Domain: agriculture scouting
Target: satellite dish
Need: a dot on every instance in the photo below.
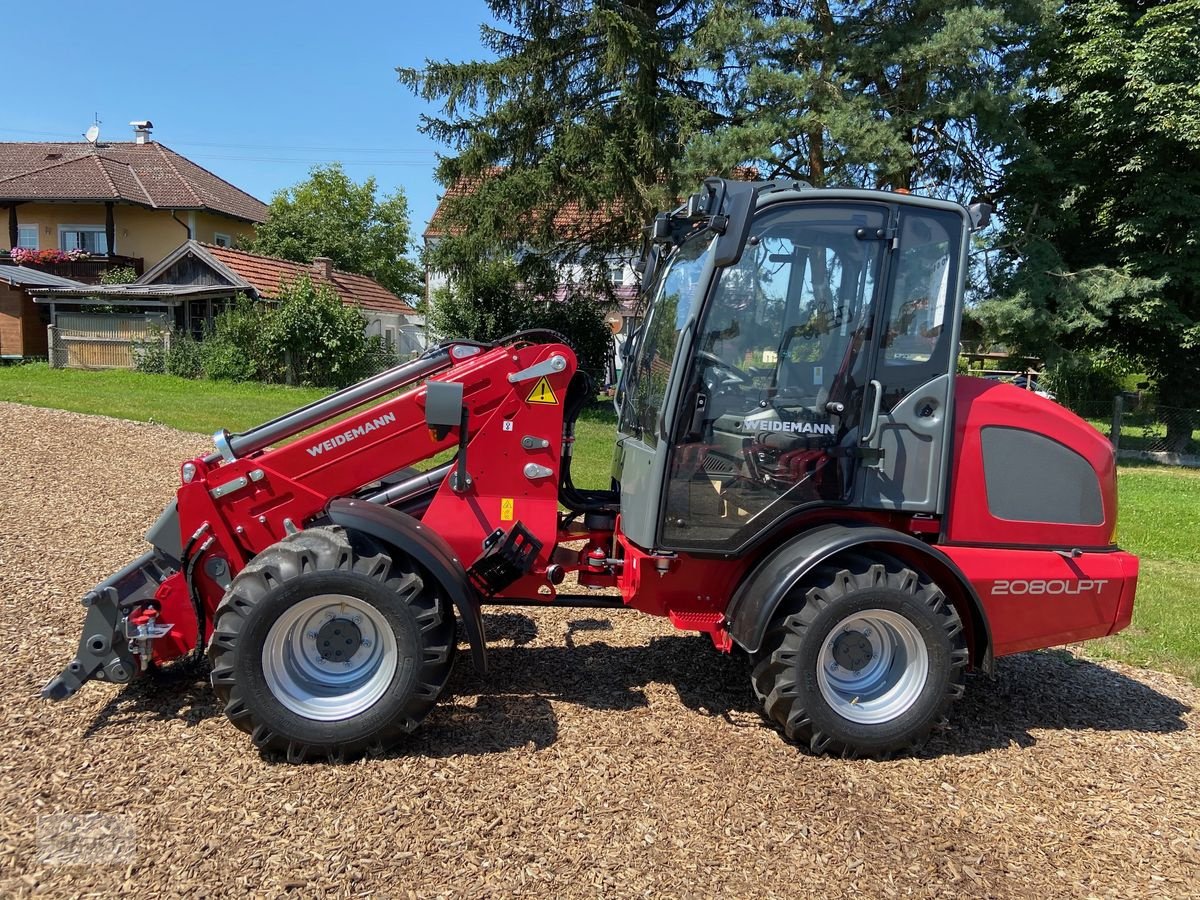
(93, 134)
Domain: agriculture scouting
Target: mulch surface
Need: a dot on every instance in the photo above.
(605, 754)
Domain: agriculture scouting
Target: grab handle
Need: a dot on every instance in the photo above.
(877, 389)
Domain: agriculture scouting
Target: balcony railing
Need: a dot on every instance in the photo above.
(87, 270)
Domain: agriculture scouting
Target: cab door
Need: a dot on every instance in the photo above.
(769, 413)
(907, 417)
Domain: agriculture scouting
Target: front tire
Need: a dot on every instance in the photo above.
(322, 648)
(866, 661)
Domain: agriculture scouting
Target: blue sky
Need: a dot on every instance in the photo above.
(258, 92)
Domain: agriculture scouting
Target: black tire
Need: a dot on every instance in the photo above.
(785, 673)
(317, 563)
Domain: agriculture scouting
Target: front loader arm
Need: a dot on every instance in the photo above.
(235, 503)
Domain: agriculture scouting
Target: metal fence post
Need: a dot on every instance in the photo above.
(1117, 416)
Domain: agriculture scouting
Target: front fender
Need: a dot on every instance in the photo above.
(753, 604)
(426, 547)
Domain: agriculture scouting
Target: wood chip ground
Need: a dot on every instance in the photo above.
(606, 754)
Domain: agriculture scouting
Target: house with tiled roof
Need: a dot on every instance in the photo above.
(127, 203)
(193, 284)
(570, 220)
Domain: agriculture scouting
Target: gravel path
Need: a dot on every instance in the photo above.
(606, 753)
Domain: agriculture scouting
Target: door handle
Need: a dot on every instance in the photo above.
(877, 390)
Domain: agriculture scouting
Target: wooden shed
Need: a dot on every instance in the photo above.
(23, 322)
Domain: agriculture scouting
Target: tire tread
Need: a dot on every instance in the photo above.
(774, 673)
(328, 549)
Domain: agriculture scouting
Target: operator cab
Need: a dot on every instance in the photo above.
(798, 353)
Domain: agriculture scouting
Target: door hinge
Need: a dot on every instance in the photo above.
(890, 233)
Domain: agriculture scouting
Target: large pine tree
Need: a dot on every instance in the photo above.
(581, 118)
(618, 108)
(883, 93)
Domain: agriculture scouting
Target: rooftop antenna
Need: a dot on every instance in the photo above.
(93, 133)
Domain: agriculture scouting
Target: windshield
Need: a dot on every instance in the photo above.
(672, 299)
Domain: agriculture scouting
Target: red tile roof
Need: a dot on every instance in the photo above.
(265, 273)
(147, 174)
(570, 219)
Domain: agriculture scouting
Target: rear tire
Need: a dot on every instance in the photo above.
(866, 661)
(321, 648)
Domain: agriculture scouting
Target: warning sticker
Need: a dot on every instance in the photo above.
(542, 393)
(506, 509)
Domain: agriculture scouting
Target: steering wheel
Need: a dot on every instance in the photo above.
(717, 363)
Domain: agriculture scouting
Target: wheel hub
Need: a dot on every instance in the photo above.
(338, 640)
(852, 650)
(872, 666)
(329, 657)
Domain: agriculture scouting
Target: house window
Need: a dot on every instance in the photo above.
(222, 240)
(89, 238)
(27, 237)
(616, 271)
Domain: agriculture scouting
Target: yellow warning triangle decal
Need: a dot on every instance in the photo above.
(542, 393)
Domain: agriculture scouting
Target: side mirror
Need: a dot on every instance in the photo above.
(647, 266)
(660, 229)
(981, 215)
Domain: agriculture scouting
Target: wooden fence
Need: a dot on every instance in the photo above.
(82, 341)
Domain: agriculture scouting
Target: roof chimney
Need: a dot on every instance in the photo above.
(141, 130)
(323, 266)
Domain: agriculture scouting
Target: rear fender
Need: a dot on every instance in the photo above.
(755, 601)
(427, 548)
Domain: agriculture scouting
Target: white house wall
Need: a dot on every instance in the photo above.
(407, 330)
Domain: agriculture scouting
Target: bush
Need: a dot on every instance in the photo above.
(150, 355)
(223, 360)
(1081, 380)
(182, 357)
(169, 353)
(236, 349)
(310, 338)
(119, 275)
(319, 340)
(493, 303)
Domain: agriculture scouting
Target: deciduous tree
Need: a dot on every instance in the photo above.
(329, 214)
(1102, 199)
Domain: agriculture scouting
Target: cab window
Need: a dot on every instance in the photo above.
(775, 385)
(670, 307)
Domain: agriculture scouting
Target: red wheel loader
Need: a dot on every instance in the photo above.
(798, 473)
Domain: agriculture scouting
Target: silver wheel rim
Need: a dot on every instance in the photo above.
(319, 685)
(872, 666)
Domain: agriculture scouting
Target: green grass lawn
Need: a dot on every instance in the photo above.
(1159, 520)
(202, 406)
